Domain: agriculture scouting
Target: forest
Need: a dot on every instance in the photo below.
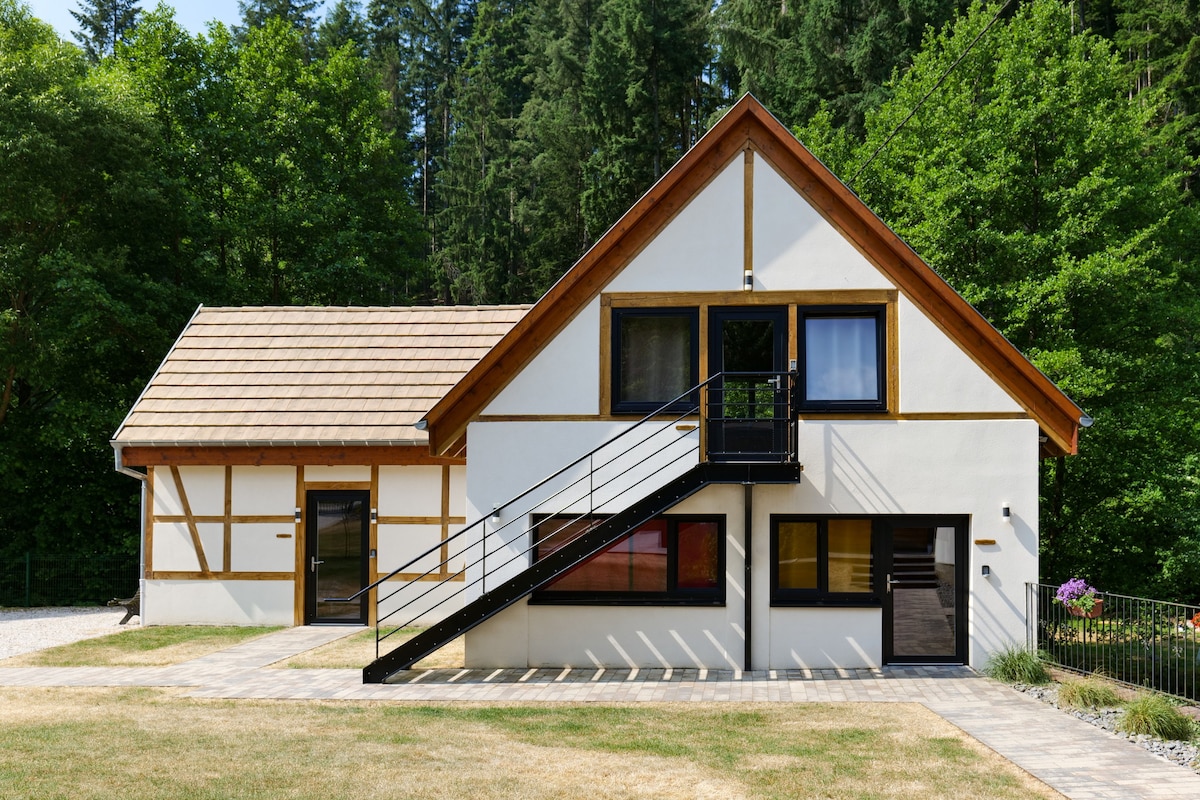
(1041, 155)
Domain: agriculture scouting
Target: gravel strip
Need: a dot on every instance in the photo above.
(23, 630)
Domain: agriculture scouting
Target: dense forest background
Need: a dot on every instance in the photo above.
(1041, 155)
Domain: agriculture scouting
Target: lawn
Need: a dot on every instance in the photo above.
(155, 743)
(154, 646)
(358, 650)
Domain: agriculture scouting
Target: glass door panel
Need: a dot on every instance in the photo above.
(747, 405)
(337, 542)
(923, 606)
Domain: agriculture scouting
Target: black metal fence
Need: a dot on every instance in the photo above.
(55, 580)
(1140, 642)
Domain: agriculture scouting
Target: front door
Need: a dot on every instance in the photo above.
(747, 403)
(337, 544)
(924, 611)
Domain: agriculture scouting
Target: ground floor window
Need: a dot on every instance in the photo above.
(670, 559)
(819, 561)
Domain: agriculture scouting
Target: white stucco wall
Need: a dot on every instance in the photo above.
(189, 602)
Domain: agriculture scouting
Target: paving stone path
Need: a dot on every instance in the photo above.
(1075, 758)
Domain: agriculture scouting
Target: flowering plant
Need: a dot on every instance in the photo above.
(1076, 593)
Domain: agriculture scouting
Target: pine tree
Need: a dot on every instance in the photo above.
(103, 23)
(344, 24)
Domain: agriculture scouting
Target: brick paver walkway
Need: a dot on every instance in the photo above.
(1075, 758)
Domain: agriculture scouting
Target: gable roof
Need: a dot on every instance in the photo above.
(310, 376)
(750, 126)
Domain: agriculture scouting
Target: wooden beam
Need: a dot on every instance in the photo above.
(311, 455)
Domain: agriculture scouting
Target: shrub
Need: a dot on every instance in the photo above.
(1016, 664)
(1154, 715)
(1087, 693)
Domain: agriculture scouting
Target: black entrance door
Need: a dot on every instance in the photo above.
(924, 606)
(747, 403)
(338, 524)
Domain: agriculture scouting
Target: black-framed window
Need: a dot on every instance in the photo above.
(843, 351)
(655, 358)
(671, 560)
(823, 561)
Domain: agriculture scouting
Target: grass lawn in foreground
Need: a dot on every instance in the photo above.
(358, 650)
(153, 646)
(152, 743)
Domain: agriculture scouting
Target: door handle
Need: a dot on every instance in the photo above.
(315, 562)
(890, 583)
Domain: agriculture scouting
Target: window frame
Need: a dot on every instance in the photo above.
(688, 403)
(878, 312)
(821, 596)
(672, 596)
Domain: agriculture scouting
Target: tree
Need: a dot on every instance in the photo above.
(83, 318)
(103, 23)
(1036, 188)
(343, 25)
(796, 56)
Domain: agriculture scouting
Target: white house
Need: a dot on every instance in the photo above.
(281, 466)
(839, 465)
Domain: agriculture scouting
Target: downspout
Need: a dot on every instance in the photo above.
(748, 506)
(142, 478)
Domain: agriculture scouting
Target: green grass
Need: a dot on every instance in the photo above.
(1087, 693)
(156, 645)
(1155, 715)
(1015, 664)
(151, 744)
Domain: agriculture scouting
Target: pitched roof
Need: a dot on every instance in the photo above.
(310, 376)
(749, 125)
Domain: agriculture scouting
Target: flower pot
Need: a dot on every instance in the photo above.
(1096, 611)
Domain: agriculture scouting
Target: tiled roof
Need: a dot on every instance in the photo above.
(310, 375)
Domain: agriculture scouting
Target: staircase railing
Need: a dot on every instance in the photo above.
(619, 471)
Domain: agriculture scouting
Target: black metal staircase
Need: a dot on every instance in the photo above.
(600, 494)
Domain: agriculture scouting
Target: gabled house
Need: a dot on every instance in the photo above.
(281, 466)
(749, 429)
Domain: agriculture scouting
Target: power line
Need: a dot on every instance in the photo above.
(929, 94)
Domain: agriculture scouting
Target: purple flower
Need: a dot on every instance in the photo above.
(1077, 593)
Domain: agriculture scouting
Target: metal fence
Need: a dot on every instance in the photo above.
(1133, 640)
(55, 580)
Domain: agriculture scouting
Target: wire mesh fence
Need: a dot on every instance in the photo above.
(1133, 640)
(55, 580)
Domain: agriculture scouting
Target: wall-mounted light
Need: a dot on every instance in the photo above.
(747, 280)
(374, 515)
(495, 515)
(986, 571)
(1005, 513)
(297, 515)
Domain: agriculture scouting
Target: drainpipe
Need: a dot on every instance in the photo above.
(142, 478)
(748, 507)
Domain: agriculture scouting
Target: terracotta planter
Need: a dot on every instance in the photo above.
(1096, 611)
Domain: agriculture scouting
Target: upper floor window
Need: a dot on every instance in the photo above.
(655, 357)
(843, 358)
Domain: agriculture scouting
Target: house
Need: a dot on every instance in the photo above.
(281, 467)
(749, 429)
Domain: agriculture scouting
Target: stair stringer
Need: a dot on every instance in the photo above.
(586, 545)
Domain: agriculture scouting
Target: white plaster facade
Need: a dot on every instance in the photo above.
(955, 443)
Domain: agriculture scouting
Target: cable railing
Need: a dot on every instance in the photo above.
(616, 473)
(1133, 640)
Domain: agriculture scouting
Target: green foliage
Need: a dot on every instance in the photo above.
(1087, 693)
(1031, 183)
(102, 24)
(1016, 664)
(1155, 715)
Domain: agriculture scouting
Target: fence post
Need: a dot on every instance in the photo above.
(28, 579)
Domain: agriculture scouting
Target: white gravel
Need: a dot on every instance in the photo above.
(23, 630)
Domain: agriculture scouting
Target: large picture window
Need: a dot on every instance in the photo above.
(655, 357)
(822, 561)
(843, 352)
(668, 560)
